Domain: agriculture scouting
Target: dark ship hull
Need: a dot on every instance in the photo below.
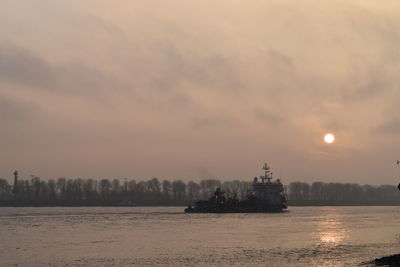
(243, 207)
(264, 196)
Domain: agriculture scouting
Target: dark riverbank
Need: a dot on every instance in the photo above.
(393, 260)
(60, 203)
(35, 192)
(85, 204)
(343, 203)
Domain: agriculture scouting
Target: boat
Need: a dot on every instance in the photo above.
(265, 195)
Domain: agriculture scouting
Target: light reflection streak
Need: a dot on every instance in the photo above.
(331, 229)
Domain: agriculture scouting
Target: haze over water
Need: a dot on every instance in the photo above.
(304, 236)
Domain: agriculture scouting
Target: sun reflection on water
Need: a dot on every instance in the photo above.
(331, 229)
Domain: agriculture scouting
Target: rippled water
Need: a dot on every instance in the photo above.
(304, 236)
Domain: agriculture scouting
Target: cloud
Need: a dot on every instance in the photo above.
(18, 65)
(270, 118)
(23, 67)
(12, 112)
(208, 85)
(391, 127)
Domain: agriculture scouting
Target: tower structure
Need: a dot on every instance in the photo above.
(398, 162)
(15, 188)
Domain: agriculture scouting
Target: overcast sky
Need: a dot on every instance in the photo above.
(193, 89)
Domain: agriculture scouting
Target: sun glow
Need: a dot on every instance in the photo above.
(329, 138)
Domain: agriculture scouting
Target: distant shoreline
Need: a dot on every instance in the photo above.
(349, 203)
(117, 204)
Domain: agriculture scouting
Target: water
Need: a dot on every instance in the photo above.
(304, 236)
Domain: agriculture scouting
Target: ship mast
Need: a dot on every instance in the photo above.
(266, 171)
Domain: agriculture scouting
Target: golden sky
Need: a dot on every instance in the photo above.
(183, 89)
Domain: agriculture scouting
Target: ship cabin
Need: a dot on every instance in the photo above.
(265, 188)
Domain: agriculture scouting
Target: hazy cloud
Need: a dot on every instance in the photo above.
(143, 90)
(18, 65)
(390, 127)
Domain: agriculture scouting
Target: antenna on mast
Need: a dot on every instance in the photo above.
(266, 171)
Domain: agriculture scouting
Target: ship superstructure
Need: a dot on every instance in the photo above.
(269, 194)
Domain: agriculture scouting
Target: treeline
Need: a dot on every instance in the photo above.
(81, 192)
(114, 192)
(342, 193)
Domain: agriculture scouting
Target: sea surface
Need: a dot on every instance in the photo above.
(149, 236)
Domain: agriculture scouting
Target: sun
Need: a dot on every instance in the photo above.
(329, 138)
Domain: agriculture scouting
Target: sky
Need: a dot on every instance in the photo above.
(205, 89)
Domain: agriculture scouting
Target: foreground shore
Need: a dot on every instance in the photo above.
(392, 260)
